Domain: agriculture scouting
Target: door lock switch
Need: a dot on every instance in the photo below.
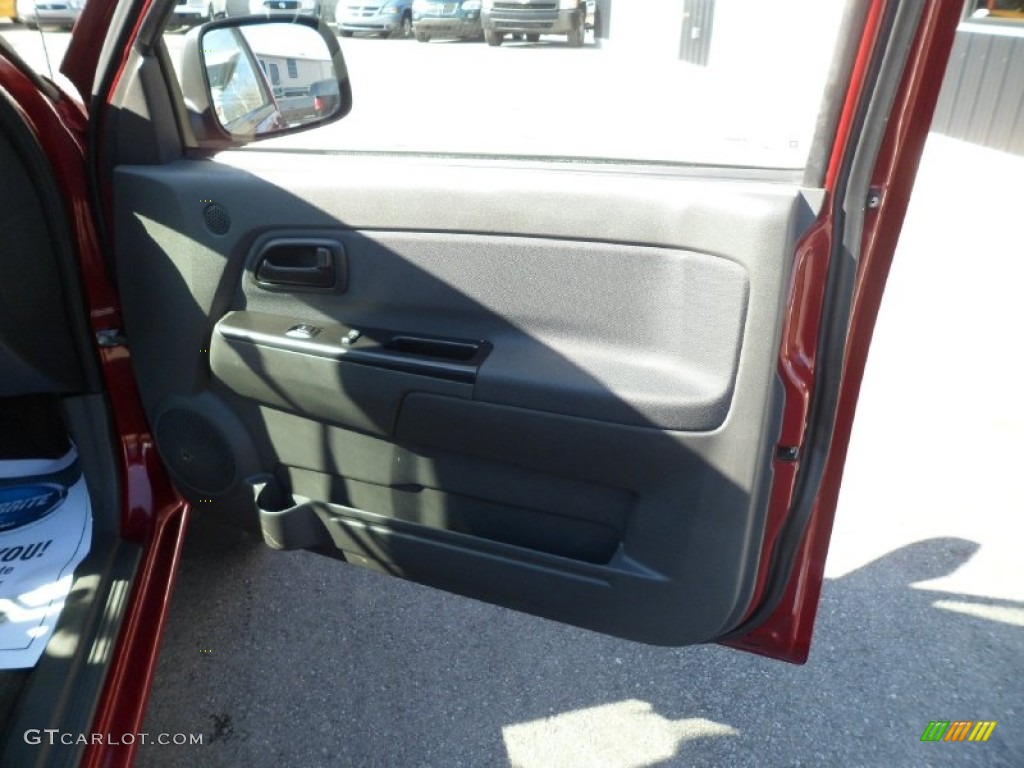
(351, 337)
(302, 331)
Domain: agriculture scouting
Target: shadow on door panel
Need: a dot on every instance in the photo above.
(568, 426)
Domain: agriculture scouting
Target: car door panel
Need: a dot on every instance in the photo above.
(604, 357)
(598, 452)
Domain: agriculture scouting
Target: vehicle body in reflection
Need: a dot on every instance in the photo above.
(326, 97)
(291, 79)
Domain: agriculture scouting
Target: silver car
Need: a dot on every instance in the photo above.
(285, 7)
(387, 18)
(59, 13)
(198, 11)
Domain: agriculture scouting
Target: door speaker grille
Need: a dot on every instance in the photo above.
(195, 451)
(217, 219)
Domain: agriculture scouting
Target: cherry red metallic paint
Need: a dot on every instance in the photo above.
(799, 347)
(786, 634)
(796, 369)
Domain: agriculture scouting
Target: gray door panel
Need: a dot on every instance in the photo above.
(542, 387)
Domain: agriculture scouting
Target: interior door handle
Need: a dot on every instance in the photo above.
(288, 264)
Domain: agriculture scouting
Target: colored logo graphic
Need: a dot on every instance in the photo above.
(958, 730)
(24, 504)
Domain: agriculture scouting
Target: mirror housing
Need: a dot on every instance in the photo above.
(228, 73)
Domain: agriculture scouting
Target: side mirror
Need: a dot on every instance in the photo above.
(250, 78)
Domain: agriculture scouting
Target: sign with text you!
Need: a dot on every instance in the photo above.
(958, 730)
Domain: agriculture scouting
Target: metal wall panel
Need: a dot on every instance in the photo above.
(982, 98)
(695, 39)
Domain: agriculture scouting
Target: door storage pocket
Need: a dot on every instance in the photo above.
(301, 508)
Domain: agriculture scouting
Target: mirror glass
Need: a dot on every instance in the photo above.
(265, 78)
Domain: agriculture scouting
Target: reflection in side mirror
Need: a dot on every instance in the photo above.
(256, 77)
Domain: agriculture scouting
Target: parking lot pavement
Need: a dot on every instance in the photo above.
(312, 662)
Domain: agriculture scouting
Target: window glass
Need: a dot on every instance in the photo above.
(733, 82)
(730, 82)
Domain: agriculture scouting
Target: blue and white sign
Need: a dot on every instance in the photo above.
(45, 532)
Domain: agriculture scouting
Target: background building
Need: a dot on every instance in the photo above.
(982, 100)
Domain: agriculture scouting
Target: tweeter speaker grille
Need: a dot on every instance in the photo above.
(195, 451)
(217, 219)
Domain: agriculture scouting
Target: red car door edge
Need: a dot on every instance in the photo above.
(784, 632)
